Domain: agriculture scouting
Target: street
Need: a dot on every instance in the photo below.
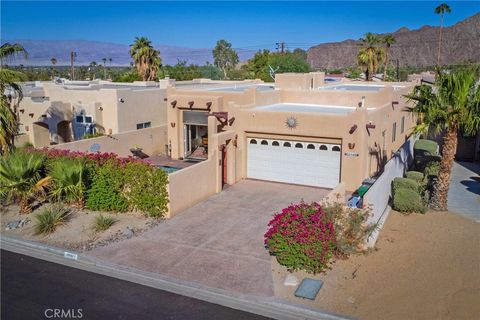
(37, 289)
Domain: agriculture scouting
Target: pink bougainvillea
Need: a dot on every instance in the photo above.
(302, 236)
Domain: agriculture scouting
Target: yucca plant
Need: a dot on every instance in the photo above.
(51, 217)
(20, 178)
(102, 222)
(67, 177)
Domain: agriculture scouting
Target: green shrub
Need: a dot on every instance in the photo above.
(432, 169)
(68, 180)
(405, 183)
(51, 217)
(408, 200)
(105, 188)
(414, 175)
(423, 147)
(102, 223)
(93, 135)
(421, 162)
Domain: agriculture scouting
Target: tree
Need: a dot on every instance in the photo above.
(441, 10)
(370, 55)
(224, 56)
(387, 40)
(453, 105)
(9, 90)
(54, 62)
(104, 68)
(145, 58)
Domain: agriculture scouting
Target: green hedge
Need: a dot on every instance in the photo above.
(423, 147)
(405, 183)
(415, 175)
(408, 200)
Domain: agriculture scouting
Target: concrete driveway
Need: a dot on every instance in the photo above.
(218, 242)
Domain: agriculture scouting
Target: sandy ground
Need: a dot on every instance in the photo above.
(424, 267)
(77, 232)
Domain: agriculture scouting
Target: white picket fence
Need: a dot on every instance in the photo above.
(378, 196)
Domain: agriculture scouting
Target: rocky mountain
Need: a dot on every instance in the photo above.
(460, 43)
(41, 51)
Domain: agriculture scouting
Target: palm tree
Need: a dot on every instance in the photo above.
(370, 55)
(453, 105)
(9, 90)
(441, 10)
(54, 62)
(92, 67)
(145, 58)
(388, 40)
(104, 68)
(20, 178)
(67, 175)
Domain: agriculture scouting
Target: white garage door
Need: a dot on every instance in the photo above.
(306, 163)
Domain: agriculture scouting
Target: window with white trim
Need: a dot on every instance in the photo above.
(144, 125)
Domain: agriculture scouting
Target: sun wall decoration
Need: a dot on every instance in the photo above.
(291, 123)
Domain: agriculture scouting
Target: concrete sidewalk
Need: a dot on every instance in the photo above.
(217, 243)
(464, 193)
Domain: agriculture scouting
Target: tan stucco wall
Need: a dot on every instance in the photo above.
(151, 140)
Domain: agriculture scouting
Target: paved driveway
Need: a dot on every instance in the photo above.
(218, 242)
(464, 193)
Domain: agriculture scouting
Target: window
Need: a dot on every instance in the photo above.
(253, 141)
(287, 144)
(298, 145)
(323, 147)
(394, 131)
(310, 146)
(402, 125)
(83, 119)
(275, 143)
(336, 149)
(264, 142)
(88, 119)
(79, 119)
(144, 125)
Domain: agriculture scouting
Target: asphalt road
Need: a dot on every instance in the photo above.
(37, 289)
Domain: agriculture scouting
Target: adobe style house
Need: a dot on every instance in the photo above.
(299, 131)
(52, 113)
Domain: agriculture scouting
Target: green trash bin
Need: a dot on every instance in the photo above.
(362, 190)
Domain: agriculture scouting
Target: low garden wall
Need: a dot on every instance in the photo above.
(151, 140)
(378, 196)
(191, 185)
(336, 195)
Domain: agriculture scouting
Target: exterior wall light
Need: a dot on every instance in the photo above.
(174, 103)
(172, 124)
(121, 100)
(351, 145)
(31, 115)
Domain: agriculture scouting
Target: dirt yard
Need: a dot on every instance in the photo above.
(424, 267)
(77, 232)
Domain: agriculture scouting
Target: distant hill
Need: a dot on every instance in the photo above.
(461, 43)
(41, 51)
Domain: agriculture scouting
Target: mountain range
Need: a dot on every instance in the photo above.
(460, 44)
(40, 52)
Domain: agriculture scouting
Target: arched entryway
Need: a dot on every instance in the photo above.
(64, 131)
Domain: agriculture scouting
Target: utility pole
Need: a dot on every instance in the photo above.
(280, 47)
(73, 54)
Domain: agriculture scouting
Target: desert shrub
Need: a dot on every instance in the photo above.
(20, 178)
(105, 188)
(146, 188)
(432, 169)
(68, 180)
(102, 223)
(407, 200)
(414, 175)
(50, 218)
(350, 225)
(421, 162)
(423, 147)
(93, 135)
(405, 183)
(302, 236)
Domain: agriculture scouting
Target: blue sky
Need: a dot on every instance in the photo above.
(199, 24)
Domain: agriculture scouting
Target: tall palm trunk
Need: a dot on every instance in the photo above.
(385, 66)
(440, 194)
(440, 41)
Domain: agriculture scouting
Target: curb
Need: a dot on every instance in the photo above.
(265, 306)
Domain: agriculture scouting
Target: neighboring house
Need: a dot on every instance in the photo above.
(51, 113)
(298, 131)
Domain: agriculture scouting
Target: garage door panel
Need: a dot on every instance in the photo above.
(314, 166)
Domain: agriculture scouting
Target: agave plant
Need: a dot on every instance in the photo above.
(20, 178)
(67, 175)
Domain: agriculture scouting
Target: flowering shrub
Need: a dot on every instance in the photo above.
(307, 236)
(302, 236)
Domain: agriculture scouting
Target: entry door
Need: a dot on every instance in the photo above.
(296, 162)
